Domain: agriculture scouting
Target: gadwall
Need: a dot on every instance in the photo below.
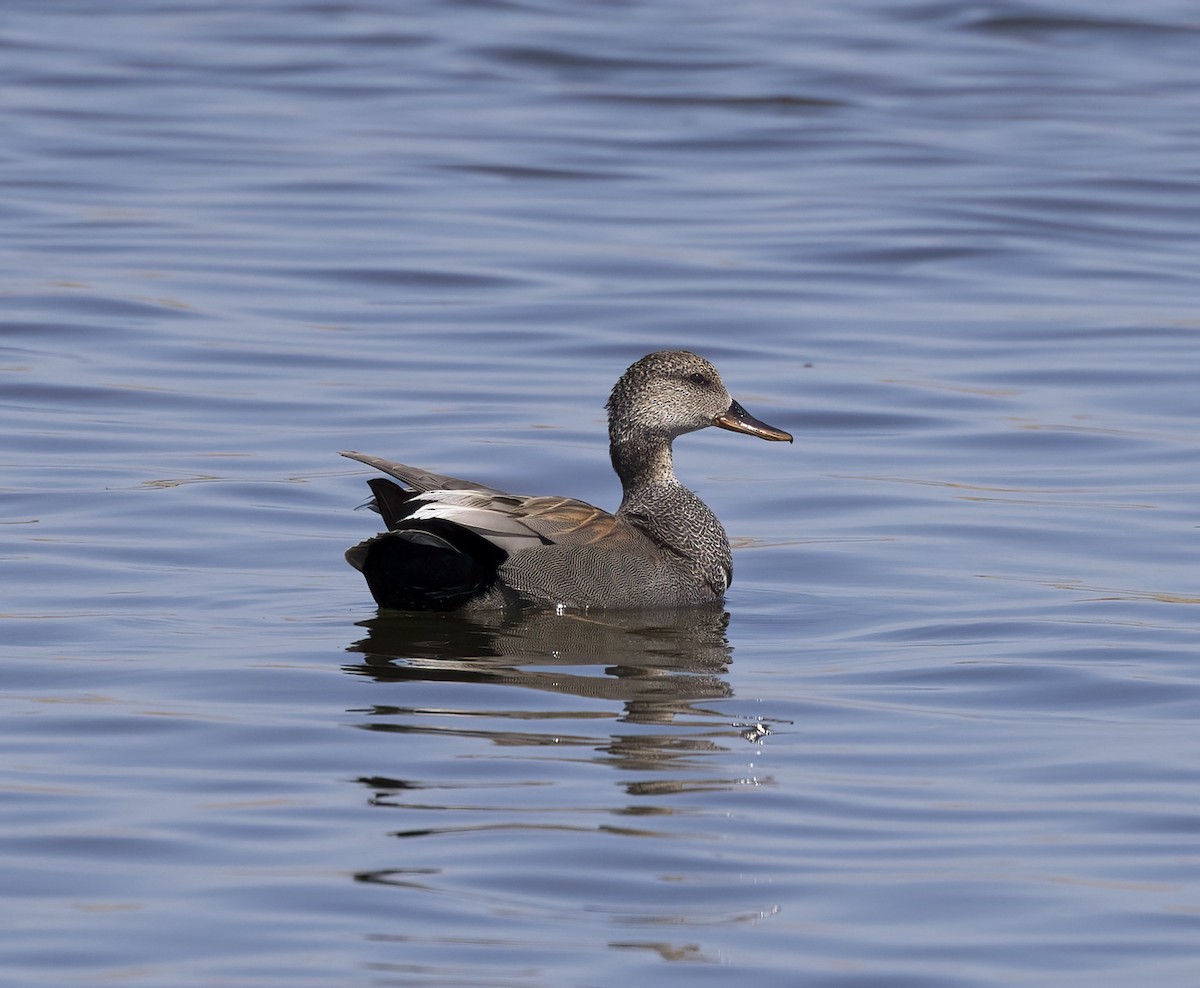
(454, 544)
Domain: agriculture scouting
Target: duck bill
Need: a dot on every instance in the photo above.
(737, 419)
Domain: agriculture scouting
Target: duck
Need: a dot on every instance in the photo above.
(457, 545)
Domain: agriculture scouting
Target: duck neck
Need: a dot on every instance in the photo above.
(642, 461)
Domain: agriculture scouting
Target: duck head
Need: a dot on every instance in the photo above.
(673, 392)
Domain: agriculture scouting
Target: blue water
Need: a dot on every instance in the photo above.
(944, 731)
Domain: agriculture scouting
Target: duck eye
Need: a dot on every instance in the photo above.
(698, 378)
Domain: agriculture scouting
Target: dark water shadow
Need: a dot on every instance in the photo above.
(656, 663)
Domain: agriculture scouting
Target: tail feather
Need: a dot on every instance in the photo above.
(428, 568)
(415, 477)
(391, 501)
(424, 561)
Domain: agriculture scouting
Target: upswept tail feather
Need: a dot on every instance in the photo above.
(415, 477)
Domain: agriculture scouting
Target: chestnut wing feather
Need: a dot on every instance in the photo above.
(564, 520)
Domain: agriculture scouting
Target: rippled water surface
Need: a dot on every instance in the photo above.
(944, 731)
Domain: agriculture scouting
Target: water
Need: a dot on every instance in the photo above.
(944, 730)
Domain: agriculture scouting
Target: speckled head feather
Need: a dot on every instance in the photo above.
(666, 394)
(454, 544)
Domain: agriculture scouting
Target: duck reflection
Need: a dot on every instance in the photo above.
(499, 779)
(656, 663)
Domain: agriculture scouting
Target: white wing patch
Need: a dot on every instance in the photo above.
(484, 514)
